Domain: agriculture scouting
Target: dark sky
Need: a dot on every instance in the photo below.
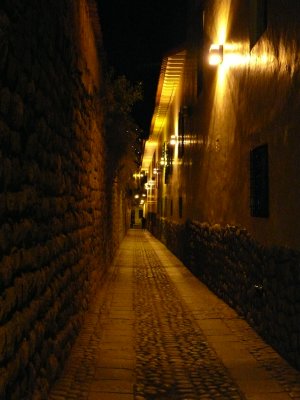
(136, 34)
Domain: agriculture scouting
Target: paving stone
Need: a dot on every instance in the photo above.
(108, 362)
(114, 373)
(111, 386)
(266, 396)
(154, 332)
(110, 396)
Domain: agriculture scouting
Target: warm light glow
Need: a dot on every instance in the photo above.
(170, 76)
(138, 175)
(173, 140)
(222, 22)
(237, 55)
(136, 196)
(150, 147)
(215, 59)
(215, 56)
(222, 34)
(149, 184)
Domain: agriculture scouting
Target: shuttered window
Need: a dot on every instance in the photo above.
(259, 182)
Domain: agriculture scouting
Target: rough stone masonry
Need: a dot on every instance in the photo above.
(261, 283)
(57, 225)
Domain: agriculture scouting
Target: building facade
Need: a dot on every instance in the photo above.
(222, 159)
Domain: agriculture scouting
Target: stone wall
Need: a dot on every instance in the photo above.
(57, 210)
(262, 284)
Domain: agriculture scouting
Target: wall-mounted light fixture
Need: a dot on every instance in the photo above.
(173, 140)
(163, 158)
(163, 161)
(215, 55)
(149, 184)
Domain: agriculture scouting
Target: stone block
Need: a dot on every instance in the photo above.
(16, 112)
(12, 70)
(5, 100)
(47, 192)
(3, 381)
(5, 236)
(15, 143)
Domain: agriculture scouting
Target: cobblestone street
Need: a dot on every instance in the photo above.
(155, 332)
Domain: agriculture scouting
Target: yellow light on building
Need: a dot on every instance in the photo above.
(215, 56)
(173, 140)
(170, 76)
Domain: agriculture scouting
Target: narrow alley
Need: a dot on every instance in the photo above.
(154, 331)
(180, 117)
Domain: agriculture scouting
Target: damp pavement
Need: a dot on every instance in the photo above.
(154, 331)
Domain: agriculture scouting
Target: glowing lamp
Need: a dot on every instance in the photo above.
(173, 140)
(215, 55)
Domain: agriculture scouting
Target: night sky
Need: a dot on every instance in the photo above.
(136, 35)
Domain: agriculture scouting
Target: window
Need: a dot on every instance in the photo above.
(258, 20)
(259, 182)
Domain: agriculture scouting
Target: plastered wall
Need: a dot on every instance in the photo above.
(249, 100)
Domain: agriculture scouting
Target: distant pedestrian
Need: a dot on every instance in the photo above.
(143, 223)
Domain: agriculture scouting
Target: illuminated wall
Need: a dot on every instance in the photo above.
(230, 207)
(157, 160)
(249, 100)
